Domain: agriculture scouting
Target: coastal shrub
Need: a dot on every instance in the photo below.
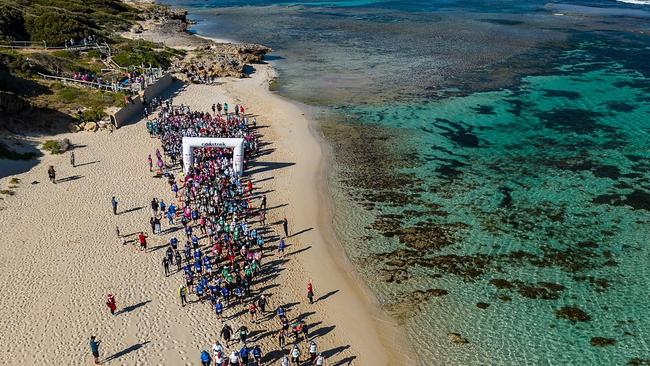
(93, 114)
(7, 192)
(56, 146)
(12, 24)
(142, 53)
(56, 27)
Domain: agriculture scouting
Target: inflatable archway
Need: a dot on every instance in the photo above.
(237, 144)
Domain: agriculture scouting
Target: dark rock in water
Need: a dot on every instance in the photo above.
(620, 107)
(484, 109)
(587, 244)
(482, 305)
(580, 121)
(600, 284)
(573, 314)
(457, 133)
(639, 200)
(501, 283)
(561, 94)
(504, 298)
(607, 171)
(457, 338)
(638, 362)
(425, 236)
(602, 342)
(438, 292)
(502, 21)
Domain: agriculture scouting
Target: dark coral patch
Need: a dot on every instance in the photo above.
(561, 94)
(484, 109)
(482, 305)
(456, 133)
(620, 107)
(602, 341)
(575, 120)
(573, 314)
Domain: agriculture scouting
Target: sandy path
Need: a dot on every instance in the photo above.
(60, 256)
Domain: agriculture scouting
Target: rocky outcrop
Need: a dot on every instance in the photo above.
(457, 338)
(219, 60)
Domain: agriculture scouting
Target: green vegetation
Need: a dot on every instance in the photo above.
(14, 180)
(56, 146)
(93, 115)
(7, 192)
(143, 53)
(56, 21)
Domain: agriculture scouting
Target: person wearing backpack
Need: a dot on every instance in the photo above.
(206, 360)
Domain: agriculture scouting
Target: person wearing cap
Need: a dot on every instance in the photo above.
(94, 349)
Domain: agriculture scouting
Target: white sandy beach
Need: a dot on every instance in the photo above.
(60, 255)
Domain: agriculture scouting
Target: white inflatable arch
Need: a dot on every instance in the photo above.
(237, 144)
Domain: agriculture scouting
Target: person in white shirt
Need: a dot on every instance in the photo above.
(285, 360)
(295, 355)
(312, 351)
(234, 359)
(320, 360)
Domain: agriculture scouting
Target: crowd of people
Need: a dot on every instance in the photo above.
(223, 239)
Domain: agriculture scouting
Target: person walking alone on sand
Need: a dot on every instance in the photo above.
(143, 241)
(285, 226)
(94, 349)
(110, 302)
(72, 159)
(310, 292)
(51, 173)
(114, 204)
(182, 293)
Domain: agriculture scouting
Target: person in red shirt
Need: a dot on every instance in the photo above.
(110, 302)
(143, 241)
(310, 292)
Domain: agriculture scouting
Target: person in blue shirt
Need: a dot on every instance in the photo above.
(199, 291)
(218, 308)
(243, 355)
(173, 242)
(170, 217)
(226, 295)
(162, 206)
(94, 349)
(280, 311)
(257, 355)
(206, 360)
(281, 246)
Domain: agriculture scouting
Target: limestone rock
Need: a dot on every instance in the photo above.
(457, 338)
(90, 126)
(73, 128)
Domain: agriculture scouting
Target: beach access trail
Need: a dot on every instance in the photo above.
(60, 256)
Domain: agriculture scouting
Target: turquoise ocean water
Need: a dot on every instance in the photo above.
(492, 164)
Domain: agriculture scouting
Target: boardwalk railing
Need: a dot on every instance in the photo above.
(43, 45)
(150, 79)
(114, 87)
